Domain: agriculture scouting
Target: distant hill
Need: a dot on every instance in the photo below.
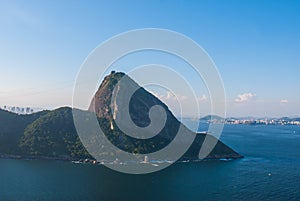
(211, 117)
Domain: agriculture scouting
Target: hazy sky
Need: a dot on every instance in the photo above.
(254, 44)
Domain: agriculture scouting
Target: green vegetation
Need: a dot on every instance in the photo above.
(44, 134)
(12, 127)
(53, 135)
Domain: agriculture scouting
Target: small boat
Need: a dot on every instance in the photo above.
(202, 132)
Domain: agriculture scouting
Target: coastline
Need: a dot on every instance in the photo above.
(20, 157)
(95, 162)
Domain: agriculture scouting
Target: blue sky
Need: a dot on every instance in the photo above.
(254, 44)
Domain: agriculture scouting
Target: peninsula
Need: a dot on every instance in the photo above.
(52, 134)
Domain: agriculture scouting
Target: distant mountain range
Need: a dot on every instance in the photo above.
(52, 134)
(211, 117)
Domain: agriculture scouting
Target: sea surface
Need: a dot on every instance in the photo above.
(269, 171)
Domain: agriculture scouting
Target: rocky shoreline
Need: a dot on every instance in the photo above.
(95, 162)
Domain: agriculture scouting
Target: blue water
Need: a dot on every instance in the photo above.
(269, 171)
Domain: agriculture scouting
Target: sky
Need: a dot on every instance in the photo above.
(254, 44)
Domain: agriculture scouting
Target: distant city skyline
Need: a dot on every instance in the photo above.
(254, 44)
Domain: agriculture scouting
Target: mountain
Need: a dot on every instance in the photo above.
(140, 104)
(52, 134)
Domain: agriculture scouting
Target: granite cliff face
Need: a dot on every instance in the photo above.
(139, 107)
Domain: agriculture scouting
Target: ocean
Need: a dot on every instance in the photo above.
(270, 170)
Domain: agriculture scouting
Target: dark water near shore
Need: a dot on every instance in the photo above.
(269, 171)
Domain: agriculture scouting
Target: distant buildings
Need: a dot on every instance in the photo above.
(253, 121)
(271, 121)
(20, 110)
